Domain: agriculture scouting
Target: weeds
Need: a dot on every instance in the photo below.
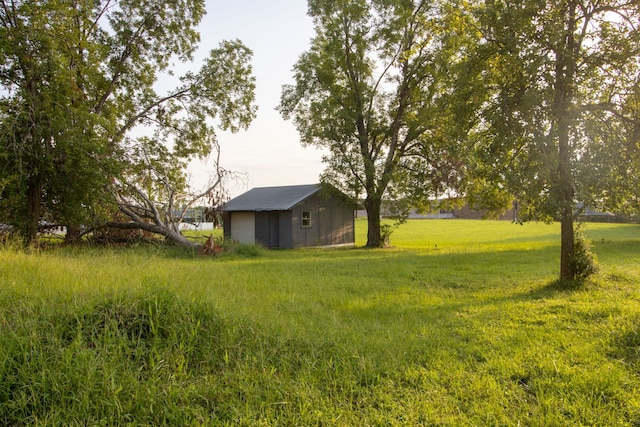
(115, 359)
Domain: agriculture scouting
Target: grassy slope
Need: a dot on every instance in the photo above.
(457, 325)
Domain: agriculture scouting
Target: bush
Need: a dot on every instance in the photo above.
(583, 261)
(385, 233)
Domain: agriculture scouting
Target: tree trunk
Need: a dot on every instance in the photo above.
(170, 234)
(74, 232)
(565, 195)
(565, 198)
(565, 80)
(567, 245)
(373, 207)
(34, 209)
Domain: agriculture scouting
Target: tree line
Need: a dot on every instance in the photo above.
(482, 100)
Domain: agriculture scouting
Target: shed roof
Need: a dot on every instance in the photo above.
(271, 198)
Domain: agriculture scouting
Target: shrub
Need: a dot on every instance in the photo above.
(583, 261)
(385, 232)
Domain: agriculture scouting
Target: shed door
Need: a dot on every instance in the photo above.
(243, 227)
(274, 230)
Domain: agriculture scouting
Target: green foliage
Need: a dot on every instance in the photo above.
(385, 231)
(481, 194)
(456, 325)
(55, 155)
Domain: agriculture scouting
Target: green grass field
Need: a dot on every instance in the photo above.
(460, 323)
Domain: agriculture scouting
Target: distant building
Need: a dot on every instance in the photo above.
(588, 214)
(291, 217)
(463, 212)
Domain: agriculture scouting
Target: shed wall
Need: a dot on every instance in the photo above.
(332, 223)
(242, 227)
(269, 229)
(262, 228)
(286, 230)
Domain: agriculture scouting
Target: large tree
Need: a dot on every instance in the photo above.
(78, 104)
(43, 128)
(558, 116)
(371, 91)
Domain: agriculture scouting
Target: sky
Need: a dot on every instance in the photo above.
(269, 152)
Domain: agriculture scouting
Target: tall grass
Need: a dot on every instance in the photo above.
(457, 324)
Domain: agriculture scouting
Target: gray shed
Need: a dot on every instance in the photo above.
(291, 217)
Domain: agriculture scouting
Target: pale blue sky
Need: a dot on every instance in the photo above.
(277, 31)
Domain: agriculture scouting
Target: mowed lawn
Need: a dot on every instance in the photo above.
(460, 323)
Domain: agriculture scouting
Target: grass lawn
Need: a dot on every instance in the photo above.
(460, 323)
